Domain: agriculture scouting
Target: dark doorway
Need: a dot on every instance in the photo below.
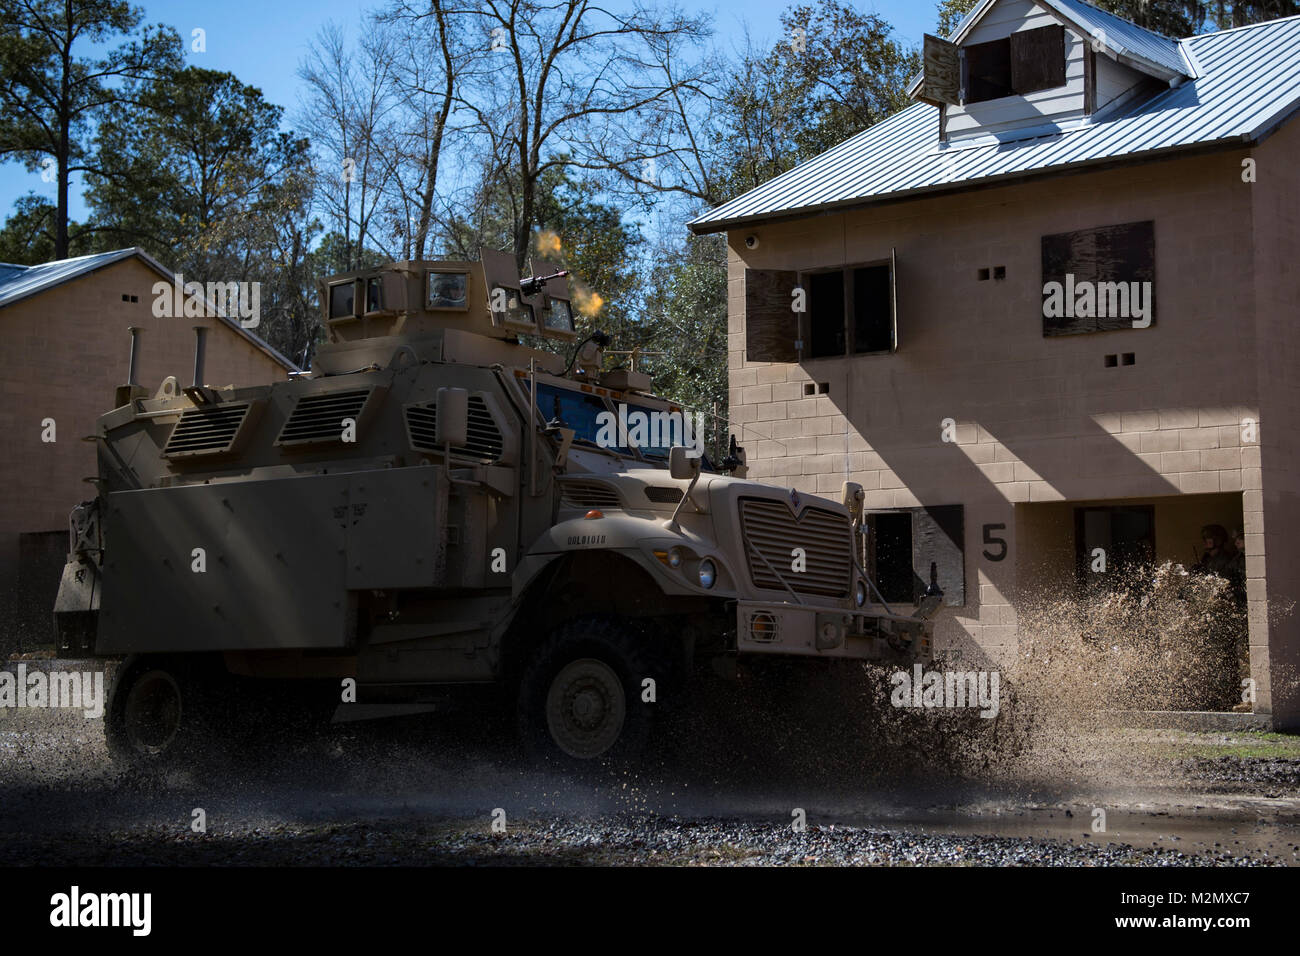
(892, 555)
(1125, 535)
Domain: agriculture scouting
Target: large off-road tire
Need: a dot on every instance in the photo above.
(580, 697)
(163, 713)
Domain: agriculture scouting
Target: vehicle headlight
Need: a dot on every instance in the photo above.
(675, 558)
(860, 594)
(708, 573)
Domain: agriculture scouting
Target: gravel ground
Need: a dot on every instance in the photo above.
(602, 841)
(423, 791)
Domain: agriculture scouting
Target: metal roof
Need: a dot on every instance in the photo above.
(1247, 83)
(1123, 38)
(18, 282)
(1150, 52)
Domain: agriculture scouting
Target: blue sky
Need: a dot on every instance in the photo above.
(262, 42)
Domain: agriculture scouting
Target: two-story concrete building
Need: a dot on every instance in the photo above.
(1051, 308)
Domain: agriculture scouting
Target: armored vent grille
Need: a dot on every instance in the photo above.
(485, 439)
(589, 494)
(319, 418)
(206, 430)
(668, 496)
(772, 533)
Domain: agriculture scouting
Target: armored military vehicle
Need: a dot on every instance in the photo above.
(437, 506)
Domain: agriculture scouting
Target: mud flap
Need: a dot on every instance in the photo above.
(76, 609)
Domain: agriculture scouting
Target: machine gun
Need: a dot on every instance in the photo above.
(534, 284)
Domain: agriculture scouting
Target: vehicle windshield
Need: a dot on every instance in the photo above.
(581, 412)
(660, 429)
(594, 421)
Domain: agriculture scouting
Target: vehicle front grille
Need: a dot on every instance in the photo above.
(773, 532)
(663, 496)
(589, 494)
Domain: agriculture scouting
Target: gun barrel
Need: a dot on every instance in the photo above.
(534, 284)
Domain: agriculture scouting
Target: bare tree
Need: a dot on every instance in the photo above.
(427, 78)
(348, 112)
(674, 144)
(563, 71)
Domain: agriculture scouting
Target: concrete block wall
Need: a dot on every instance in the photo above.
(1035, 418)
(1272, 476)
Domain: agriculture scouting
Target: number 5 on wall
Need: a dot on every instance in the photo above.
(989, 539)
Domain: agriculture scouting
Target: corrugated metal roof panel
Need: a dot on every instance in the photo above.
(1249, 82)
(18, 282)
(1122, 36)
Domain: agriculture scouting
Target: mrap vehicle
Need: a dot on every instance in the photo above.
(438, 506)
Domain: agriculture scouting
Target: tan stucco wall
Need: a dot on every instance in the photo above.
(65, 351)
(1273, 496)
(1040, 419)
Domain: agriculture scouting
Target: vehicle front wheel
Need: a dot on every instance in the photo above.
(160, 713)
(582, 696)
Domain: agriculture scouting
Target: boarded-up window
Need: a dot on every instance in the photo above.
(901, 546)
(1023, 63)
(939, 538)
(771, 324)
(1096, 280)
(1038, 59)
(941, 79)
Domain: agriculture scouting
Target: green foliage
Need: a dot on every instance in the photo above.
(834, 73)
(27, 237)
(196, 171)
(56, 78)
(207, 151)
(686, 317)
(1227, 13)
(951, 13)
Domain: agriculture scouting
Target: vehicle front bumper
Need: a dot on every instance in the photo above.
(811, 631)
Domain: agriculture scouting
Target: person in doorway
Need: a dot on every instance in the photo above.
(1216, 559)
(1221, 661)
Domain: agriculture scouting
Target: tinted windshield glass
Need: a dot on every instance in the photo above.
(657, 430)
(581, 412)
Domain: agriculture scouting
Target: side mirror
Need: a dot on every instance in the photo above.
(854, 499)
(452, 427)
(681, 464)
